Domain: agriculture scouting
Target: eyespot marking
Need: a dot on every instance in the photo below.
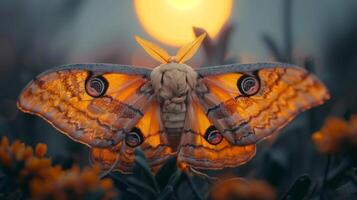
(96, 86)
(248, 85)
(134, 138)
(213, 136)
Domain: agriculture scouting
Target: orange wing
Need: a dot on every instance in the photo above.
(87, 103)
(148, 135)
(248, 105)
(203, 146)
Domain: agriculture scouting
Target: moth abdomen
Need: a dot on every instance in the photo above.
(173, 121)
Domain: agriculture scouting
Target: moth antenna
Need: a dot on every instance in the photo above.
(154, 50)
(187, 51)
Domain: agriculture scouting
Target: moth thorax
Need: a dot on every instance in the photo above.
(172, 82)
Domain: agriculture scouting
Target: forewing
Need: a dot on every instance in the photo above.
(284, 91)
(61, 98)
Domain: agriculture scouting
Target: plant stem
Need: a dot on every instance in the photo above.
(325, 177)
(193, 187)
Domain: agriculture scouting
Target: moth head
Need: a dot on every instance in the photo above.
(185, 53)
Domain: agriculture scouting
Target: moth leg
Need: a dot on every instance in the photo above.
(205, 176)
(112, 167)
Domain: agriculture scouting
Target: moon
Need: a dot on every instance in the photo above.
(171, 21)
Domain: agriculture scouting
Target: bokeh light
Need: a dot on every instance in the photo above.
(171, 21)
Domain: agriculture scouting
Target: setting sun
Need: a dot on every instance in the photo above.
(171, 21)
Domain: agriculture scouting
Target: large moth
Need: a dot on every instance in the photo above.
(210, 117)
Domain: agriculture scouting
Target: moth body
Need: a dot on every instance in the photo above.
(173, 83)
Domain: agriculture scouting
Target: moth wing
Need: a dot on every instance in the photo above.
(196, 150)
(284, 91)
(154, 145)
(60, 97)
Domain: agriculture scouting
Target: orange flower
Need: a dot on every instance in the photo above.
(353, 127)
(182, 166)
(17, 146)
(28, 153)
(20, 152)
(71, 184)
(107, 184)
(40, 189)
(89, 176)
(4, 142)
(5, 158)
(41, 150)
(5, 155)
(37, 175)
(34, 164)
(336, 134)
(237, 188)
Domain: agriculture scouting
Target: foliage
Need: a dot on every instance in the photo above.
(142, 184)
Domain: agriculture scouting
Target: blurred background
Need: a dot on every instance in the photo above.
(319, 35)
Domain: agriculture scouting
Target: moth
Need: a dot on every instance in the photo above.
(210, 117)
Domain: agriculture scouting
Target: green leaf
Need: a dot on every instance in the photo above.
(193, 187)
(175, 178)
(119, 180)
(299, 189)
(141, 186)
(166, 171)
(167, 193)
(142, 171)
(136, 193)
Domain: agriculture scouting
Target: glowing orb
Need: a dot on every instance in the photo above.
(171, 21)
